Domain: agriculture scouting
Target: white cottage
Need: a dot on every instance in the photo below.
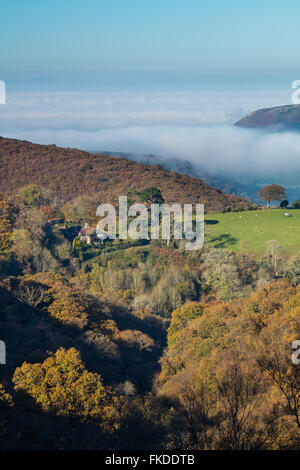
(87, 234)
(91, 235)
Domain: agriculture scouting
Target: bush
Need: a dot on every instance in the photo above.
(296, 204)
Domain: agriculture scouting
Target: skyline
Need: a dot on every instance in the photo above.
(133, 45)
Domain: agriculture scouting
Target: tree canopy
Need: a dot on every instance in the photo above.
(272, 192)
(151, 195)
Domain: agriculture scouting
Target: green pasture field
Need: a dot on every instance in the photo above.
(253, 229)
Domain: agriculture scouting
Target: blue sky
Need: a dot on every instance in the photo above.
(168, 77)
(158, 44)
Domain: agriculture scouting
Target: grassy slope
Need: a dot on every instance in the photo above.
(255, 228)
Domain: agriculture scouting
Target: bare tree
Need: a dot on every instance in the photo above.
(277, 363)
(240, 393)
(32, 293)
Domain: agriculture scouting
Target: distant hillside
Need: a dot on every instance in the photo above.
(71, 172)
(228, 185)
(280, 118)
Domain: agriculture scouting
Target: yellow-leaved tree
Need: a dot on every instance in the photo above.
(62, 384)
(5, 224)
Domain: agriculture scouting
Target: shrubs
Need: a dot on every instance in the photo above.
(5, 398)
(296, 204)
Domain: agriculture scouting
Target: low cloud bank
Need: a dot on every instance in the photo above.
(192, 126)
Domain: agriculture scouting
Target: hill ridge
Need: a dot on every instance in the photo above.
(72, 172)
(276, 118)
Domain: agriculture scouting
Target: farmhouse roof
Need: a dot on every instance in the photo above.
(87, 231)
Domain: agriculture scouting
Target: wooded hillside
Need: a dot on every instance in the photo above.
(71, 172)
